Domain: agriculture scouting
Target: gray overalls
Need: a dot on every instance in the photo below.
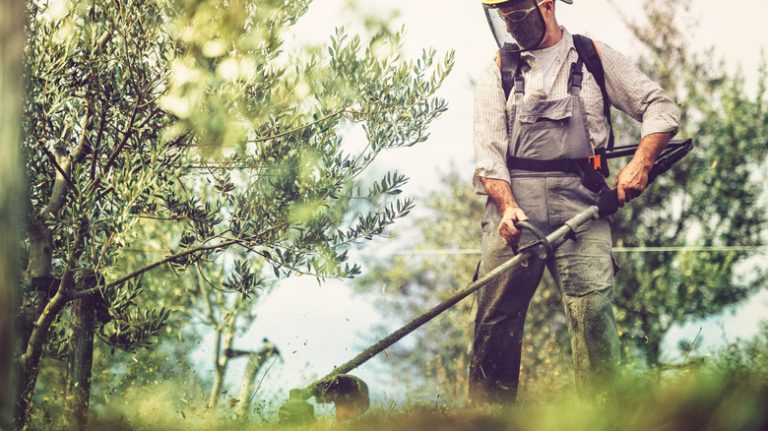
(545, 130)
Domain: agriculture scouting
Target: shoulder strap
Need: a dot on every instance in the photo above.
(508, 61)
(588, 52)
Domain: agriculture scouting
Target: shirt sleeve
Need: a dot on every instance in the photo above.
(636, 94)
(490, 128)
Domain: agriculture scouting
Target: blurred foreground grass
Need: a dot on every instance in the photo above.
(726, 393)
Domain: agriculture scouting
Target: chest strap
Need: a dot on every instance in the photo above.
(575, 79)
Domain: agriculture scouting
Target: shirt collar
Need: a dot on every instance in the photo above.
(568, 38)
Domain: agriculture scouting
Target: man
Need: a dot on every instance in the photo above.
(551, 114)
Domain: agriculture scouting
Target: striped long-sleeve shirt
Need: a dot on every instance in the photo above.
(628, 89)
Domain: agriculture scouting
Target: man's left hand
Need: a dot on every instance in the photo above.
(632, 180)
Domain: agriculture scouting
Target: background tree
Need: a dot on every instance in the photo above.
(256, 361)
(229, 315)
(712, 198)
(131, 101)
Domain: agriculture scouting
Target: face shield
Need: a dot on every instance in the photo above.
(516, 22)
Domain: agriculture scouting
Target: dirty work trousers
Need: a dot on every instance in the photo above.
(586, 270)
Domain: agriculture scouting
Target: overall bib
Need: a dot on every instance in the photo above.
(545, 130)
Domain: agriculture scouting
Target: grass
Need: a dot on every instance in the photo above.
(727, 391)
(709, 397)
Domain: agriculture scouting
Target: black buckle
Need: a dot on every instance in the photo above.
(519, 85)
(577, 76)
(602, 161)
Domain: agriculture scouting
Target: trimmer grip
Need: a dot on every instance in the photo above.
(608, 201)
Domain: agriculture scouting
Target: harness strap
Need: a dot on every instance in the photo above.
(519, 83)
(587, 50)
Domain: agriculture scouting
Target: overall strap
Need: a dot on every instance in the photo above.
(519, 84)
(588, 52)
(508, 59)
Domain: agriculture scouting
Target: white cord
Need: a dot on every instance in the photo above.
(759, 249)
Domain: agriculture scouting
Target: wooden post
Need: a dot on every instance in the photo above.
(12, 19)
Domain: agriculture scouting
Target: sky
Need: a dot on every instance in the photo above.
(319, 327)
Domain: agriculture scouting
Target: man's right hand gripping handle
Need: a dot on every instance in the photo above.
(500, 193)
(507, 229)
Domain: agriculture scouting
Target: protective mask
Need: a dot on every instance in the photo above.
(518, 21)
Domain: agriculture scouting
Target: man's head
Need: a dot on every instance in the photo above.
(524, 22)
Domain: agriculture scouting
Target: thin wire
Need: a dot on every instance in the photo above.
(681, 249)
(759, 249)
(685, 249)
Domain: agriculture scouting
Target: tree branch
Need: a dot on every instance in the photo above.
(168, 259)
(127, 131)
(30, 359)
(58, 167)
(97, 144)
(207, 300)
(63, 180)
(101, 42)
(302, 127)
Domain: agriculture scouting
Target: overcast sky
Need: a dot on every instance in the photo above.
(319, 327)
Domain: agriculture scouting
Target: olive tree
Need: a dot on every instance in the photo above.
(137, 107)
(712, 198)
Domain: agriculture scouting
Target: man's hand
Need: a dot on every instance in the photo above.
(507, 229)
(632, 180)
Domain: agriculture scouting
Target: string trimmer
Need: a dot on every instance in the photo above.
(350, 394)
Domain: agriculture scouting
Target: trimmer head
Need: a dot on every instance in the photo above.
(348, 393)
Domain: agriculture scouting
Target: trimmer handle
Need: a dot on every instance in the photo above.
(541, 239)
(608, 202)
(520, 225)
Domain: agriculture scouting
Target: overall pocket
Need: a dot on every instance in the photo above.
(544, 130)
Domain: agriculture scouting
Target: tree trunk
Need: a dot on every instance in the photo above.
(218, 379)
(220, 363)
(652, 346)
(79, 363)
(255, 363)
(12, 19)
(30, 359)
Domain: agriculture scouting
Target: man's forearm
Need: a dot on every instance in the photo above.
(500, 193)
(650, 147)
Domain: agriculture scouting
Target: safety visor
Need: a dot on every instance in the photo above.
(516, 22)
